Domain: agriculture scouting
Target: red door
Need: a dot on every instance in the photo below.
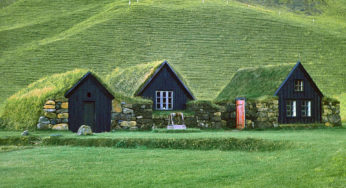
(240, 103)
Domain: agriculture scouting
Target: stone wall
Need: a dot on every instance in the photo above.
(258, 114)
(207, 115)
(55, 115)
(262, 114)
(131, 116)
(331, 112)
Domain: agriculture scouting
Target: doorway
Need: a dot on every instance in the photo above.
(89, 114)
(240, 119)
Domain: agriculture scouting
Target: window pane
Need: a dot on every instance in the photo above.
(309, 108)
(294, 109)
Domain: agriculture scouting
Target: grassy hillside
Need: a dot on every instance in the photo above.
(206, 42)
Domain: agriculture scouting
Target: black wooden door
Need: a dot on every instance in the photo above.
(89, 114)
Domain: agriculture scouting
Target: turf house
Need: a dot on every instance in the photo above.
(90, 103)
(165, 89)
(299, 99)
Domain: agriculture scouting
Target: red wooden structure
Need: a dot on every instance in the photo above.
(240, 121)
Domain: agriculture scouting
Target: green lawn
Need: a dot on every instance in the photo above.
(318, 160)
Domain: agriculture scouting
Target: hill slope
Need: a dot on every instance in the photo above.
(206, 42)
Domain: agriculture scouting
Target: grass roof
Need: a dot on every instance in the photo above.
(255, 83)
(130, 80)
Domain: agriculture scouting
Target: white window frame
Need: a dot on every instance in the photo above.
(160, 97)
(291, 108)
(306, 108)
(298, 85)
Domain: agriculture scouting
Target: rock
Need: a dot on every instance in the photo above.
(334, 119)
(143, 106)
(50, 115)
(62, 111)
(216, 118)
(324, 118)
(116, 106)
(124, 124)
(132, 123)
(49, 106)
(64, 105)
(127, 105)
(43, 120)
(49, 110)
(328, 124)
(25, 133)
(60, 127)
(84, 130)
(217, 114)
(43, 126)
(64, 120)
(127, 111)
(53, 121)
(50, 102)
(327, 111)
(63, 115)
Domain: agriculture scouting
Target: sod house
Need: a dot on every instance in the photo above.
(166, 89)
(299, 99)
(90, 103)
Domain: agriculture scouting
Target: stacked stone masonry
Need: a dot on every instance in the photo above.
(258, 114)
(132, 116)
(55, 115)
(331, 113)
(207, 115)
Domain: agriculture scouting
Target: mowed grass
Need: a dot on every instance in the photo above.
(206, 42)
(317, 161)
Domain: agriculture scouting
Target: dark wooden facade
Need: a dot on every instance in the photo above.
(166, 79)
(90, 103)
(287, 92)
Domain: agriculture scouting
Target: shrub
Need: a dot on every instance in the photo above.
(19, 141)
(248, 144)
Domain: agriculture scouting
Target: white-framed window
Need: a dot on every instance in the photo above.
(164, 100)
(291, 110)
(298, 85)
(306, 108)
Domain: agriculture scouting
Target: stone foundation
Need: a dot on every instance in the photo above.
(55, 115)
